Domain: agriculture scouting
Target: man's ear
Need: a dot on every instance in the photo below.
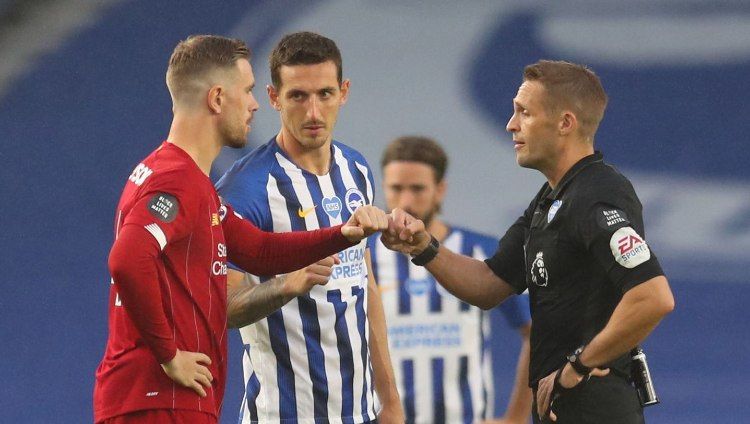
(215, 99)
(345, 91)
(568, 123)
(273, 97)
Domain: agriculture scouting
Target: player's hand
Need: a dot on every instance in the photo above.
(569, 379)
(405, 233)
(365, 220)
(302, 281)
(189, 370)
(391, 413)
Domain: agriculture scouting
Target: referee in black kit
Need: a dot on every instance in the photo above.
(596, 288)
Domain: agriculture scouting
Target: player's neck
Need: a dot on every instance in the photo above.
(314, 160)
(438, 228)
(572, 154)
(197, 138)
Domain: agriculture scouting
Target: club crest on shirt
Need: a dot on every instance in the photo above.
(332, 206)
(553, 210)
(539, 273)
(629, 248)
(354, 199)
(222, 209)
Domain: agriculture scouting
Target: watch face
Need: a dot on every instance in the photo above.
(573, 357)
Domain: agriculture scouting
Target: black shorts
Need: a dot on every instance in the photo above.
(609, 399)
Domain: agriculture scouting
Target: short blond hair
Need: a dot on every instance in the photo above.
(197, 56)
(573, 86)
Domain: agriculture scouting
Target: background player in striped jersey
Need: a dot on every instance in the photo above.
(165, 360)
(439, 344)
(324, 354)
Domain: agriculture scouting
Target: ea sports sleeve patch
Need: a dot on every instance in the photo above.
(628, 248)
(164, 207)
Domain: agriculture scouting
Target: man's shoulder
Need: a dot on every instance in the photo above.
(253, 167)
(600, 182)
(163, 170)
(349, 152)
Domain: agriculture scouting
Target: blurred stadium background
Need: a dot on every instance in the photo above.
(83, 99)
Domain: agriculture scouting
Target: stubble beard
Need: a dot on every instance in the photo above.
(236, 138)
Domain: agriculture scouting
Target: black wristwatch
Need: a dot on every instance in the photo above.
(428, 253)
(575, 361)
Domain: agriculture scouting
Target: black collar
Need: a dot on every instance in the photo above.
(572, 172)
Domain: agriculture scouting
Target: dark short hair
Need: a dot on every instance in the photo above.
(414, 148)
(573, 86)
(199, 54)
(303, 48)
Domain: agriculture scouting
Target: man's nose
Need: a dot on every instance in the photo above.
(313, 109)
(406, 200)
(512, 125)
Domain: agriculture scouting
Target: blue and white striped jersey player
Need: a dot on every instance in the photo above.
(323, 356)
(439, 345)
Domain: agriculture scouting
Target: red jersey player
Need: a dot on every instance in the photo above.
(166, 354)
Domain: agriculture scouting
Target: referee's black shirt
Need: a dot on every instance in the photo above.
(577, 248)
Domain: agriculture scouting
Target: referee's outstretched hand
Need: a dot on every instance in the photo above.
(189, 370)
(406, 234)
(365, 220)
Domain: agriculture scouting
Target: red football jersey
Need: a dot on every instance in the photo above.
(173, 238)
(169, 196)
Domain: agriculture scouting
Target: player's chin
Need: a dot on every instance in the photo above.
(236, 143)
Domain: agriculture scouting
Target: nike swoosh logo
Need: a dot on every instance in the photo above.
(306, 212)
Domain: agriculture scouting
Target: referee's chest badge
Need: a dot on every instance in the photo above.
(539, 273)
(553, 210)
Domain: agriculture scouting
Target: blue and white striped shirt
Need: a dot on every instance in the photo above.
(438, 343)
(309, 361)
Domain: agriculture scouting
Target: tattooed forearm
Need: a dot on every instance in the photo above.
(252, 302)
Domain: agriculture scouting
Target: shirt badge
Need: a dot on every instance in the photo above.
(332, 206)
(354, 199)
(539, 273)
(629, 248)
(553, 210)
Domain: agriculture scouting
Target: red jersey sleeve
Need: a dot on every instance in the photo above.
(133, 266)
(263, 253)
(163, 211)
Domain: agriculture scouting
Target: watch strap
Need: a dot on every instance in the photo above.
(428, 253)
(575, 361)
